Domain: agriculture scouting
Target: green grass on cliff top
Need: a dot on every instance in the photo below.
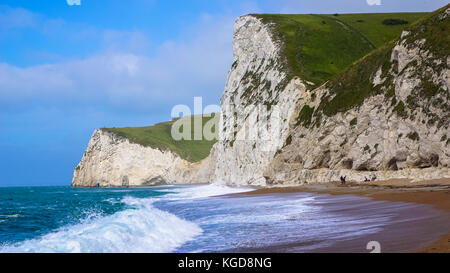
(159, 136)
(318, 47)
(353, 85)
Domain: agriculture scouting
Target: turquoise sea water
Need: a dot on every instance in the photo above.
(192, 219)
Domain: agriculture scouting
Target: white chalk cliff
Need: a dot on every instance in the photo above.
(266, 139)
(399, 131)
(256, 96)
(112, 161)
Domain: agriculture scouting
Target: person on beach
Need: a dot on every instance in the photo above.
(366, 179)
(343, 179)
(374, 178)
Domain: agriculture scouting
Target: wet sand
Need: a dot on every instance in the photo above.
(431, 192)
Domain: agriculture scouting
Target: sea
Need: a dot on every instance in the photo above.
(205, 218)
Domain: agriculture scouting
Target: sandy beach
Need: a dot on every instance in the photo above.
(431, 192)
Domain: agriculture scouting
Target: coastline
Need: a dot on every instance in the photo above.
(429, 192)
(138, 186)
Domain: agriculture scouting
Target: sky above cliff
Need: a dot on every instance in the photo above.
(68, 67)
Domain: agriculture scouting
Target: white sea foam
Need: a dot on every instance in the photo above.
(203, 191)
(10, 216)
(141, 228)
(112, 200)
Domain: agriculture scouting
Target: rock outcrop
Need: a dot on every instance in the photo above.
(112, 161)
(257, 103)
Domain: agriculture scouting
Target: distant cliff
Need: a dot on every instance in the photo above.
(308, 98)
(117, 158)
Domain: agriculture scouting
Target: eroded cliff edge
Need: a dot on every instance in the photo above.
(113, 161)
(258, 93)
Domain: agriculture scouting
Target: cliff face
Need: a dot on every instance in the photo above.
(398, 127)
(257, 95)
(112, 161)
(386, 115)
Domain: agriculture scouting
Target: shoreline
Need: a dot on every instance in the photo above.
(429, 192)
(137, 186)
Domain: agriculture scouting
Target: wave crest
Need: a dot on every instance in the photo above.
(141, 228)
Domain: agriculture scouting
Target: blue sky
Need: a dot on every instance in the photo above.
(67, 70)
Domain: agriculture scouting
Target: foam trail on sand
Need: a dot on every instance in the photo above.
(204, 191)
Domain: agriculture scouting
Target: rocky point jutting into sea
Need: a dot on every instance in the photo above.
(386, 113)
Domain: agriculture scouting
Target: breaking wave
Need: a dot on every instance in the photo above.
(139, 228)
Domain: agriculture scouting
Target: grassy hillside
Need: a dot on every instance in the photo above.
(371, 24)
(352, 86)
(159, 136)
(317, 47)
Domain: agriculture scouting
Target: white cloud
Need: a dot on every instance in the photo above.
(16, 18)
(195, 65)
(133, 41)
